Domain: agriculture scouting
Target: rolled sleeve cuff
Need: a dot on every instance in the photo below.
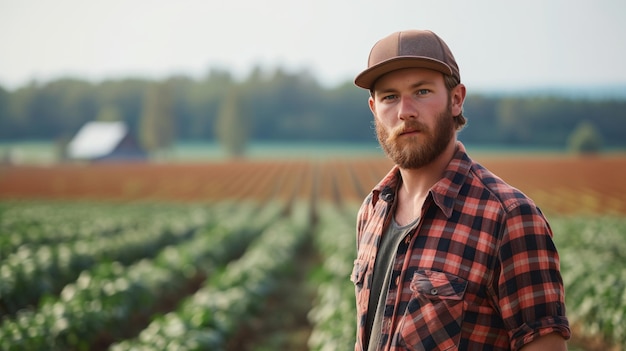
(529, 332)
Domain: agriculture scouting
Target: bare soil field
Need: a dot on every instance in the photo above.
(560, 185)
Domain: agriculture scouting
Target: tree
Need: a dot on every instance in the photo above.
(585, 139)
(109, 113)
(231, 128)
(512, 122)
(157, 122)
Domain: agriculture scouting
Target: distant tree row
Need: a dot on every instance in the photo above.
(280, 105)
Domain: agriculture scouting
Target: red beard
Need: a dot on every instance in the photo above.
(416, 150)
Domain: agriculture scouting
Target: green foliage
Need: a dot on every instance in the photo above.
(232, 126)
(333, 317)
(511, 122)
(44, 247)
(109, 113)
(106, 297)
(157, 120)
(593, 252)
(286, 106)
(205, 320)
(585, 139)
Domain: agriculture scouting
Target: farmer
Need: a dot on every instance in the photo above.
(450, 257)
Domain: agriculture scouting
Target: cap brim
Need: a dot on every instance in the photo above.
(367, 78)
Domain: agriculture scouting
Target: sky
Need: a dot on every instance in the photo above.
(497, 44)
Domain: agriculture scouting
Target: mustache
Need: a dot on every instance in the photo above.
(407, 127)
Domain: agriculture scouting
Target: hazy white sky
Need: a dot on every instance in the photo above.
(509, 44)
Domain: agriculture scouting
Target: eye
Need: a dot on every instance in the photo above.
(389, 97)
(423, 92)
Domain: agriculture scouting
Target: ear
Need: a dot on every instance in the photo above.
(372, 105)
(457, 96)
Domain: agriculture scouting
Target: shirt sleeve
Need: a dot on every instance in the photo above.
(529, 287)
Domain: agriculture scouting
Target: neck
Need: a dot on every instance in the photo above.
(417, 182)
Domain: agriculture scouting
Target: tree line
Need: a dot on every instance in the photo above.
(287, 106)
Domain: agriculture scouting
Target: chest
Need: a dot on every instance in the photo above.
(463, 245)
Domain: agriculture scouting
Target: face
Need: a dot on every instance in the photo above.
(413, 113)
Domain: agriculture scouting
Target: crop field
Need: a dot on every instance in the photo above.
(254, 254)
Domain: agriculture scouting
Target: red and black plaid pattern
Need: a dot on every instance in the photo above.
(480, 272)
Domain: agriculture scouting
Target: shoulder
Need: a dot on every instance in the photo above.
(517, 214)
(510, 198)
(475, 189)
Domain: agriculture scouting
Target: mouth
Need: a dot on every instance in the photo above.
(409, 132)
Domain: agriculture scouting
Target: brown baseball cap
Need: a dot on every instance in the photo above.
(408, 49)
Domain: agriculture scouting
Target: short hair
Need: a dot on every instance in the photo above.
(451, 82)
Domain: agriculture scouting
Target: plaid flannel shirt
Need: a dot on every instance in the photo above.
(480, 271)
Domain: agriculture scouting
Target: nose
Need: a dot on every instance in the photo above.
(406, 108)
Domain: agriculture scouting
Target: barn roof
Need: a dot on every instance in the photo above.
(96, 139)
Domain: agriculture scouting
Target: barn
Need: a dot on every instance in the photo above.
(105, 141)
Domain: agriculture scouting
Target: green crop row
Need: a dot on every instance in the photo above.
(207, 319)
(593, 265)
(334, 313)
(50, 223)
(106, 297)
(33, 271)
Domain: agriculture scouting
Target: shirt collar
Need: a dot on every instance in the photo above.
(444, 192)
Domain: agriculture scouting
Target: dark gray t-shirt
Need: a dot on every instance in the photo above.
(383, 269)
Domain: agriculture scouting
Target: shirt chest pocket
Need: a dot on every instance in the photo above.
(438, 285)
(433, 316)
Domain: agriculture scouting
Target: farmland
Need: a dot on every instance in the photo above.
(194, 255)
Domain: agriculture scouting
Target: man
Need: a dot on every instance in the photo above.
(449, 256)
